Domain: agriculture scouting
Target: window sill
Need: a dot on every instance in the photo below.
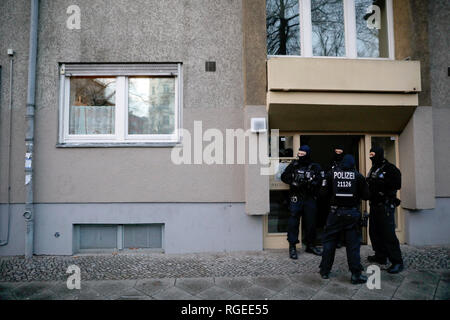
(120, 145)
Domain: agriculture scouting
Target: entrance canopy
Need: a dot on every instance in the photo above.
(314, 94)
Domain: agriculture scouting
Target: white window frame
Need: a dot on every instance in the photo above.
(350, 32)
(121, 74)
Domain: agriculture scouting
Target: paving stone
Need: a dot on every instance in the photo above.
(195, 285)
(425, 277)
(284, 296)
(6, 295)
(27, 290)
(237, 297)
(392, 278)
(322, 295)
(267, 263)
(387, 289)
(445, 274)
(313, 281)
(370, 295)
(44, 295)
(418, 286)
(109, 288)
(407, 294)
(216, 293)
(8, 286)
(257, 293)
(174, 293)
(85, 294)
(299, 291)
(272, 283)
(337, 288)
(131, 294)
(62, 292)
(443, 290)
(153, 286)
(234, 284)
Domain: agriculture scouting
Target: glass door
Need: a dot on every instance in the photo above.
(275, 224)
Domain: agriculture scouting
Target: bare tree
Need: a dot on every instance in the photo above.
(282, 22)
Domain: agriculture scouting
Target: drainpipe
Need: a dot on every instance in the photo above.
(29, 138)
(11, 68)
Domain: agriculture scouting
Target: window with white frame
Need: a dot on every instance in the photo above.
(120, 103)
(330, 28)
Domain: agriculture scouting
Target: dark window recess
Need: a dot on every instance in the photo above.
(98, 237)
(210, 66)
(142, 236)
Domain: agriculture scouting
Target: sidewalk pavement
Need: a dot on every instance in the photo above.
(262, 275)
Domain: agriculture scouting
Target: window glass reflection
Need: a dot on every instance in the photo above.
(283, 27)
(92, 105)
(371, 28)
(151, 105)
(328, 28)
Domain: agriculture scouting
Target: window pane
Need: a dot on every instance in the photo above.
(283, 30)
(371, 29)
(279, 211)
(151, 105)
(286, 146)
(328, 28)
(92, 105)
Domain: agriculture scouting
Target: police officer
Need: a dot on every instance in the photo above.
(304, 178)
(384, 180)
(338, 155)
(346, 187)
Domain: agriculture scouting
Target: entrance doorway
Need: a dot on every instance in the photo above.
(275, 223)
(322, 146)
(322, 152)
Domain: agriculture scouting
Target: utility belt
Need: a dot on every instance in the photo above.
(342, 211)
(300, 197)
(394, 201)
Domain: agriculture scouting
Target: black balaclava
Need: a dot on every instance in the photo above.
(338, 157)
(306, 158)
(348, 162)
(379, 155)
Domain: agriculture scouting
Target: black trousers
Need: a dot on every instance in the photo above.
(307, 209)
(382, 232)
(342, 221)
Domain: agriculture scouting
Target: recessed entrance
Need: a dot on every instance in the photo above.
(275, 226)
(322, 147)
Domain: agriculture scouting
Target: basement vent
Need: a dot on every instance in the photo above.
(103, 237)
(142, 236)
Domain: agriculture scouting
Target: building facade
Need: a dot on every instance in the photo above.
(123, 86)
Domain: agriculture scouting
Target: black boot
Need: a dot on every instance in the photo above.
(358, 278)
(314, 250)
(325, 275)
(395, 268)
(377, 259)
(292, 252)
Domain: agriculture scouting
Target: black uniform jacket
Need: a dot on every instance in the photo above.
(380, 189)
(362, 190)
(314, 187)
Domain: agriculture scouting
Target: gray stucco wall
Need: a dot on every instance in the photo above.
(189, 227)
(186, 31)
(14, 34)
(429, 227)
(439, 11)
(417, 161)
